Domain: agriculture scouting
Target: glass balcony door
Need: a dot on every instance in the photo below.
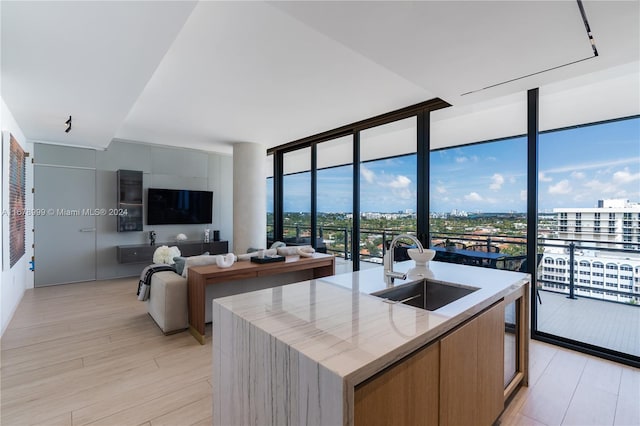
(589, 227)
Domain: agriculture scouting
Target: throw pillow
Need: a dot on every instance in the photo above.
(179, 264)
(180, 261)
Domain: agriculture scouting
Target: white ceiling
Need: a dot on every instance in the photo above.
(206, 74)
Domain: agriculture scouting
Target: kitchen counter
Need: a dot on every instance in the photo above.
(305, 346)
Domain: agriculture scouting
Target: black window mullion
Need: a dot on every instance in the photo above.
(423, 161)
(314, 195)
(355, 231)
(532, 198)
(278, 200)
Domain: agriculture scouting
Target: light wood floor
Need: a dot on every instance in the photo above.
(89, 353)
(570, 388)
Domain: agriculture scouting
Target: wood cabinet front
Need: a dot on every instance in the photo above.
(457, 380)
(404, 394)
(471, 370)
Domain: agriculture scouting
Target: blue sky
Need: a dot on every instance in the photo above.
(577, 167)
(580, 166)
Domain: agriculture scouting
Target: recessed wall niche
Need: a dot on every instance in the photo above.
(129, 200)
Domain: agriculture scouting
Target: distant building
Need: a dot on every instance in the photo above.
(611, 223)
(459, 213)
(606, 255)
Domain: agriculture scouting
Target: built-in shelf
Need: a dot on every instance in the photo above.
(129, 200)
(141, 253)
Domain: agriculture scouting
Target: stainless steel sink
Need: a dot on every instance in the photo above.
(425, 294)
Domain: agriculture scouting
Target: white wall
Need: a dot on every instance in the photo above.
(162, 167)
(14, 281)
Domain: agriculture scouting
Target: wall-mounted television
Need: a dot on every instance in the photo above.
(178, 206)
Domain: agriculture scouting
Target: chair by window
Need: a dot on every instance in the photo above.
(400, 252)
(487, 248)
(456, 244)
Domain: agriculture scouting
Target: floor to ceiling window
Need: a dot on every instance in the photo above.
(589, 214)
(296, 183)
(493, 183)
(270, 200)
(479, 198)
(478, 187)
(589, 201)
(388, 185)
(335, 196)
(361, 178)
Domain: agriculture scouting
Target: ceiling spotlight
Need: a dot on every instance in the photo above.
(68, 123)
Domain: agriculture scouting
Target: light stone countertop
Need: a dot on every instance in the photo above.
(337, 323)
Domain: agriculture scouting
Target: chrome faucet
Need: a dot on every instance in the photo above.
(389, 273)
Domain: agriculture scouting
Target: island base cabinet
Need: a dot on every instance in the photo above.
(471, 371)
(404, 394)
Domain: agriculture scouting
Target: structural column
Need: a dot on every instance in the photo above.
(249, 197)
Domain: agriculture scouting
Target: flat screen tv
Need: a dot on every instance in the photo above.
(178, 206)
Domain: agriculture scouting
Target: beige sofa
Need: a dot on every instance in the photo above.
(167, 303)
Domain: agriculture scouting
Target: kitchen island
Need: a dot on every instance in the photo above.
(327, 351)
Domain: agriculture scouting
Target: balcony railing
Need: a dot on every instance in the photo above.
(567, 301)
(568, 267)
(569, 278)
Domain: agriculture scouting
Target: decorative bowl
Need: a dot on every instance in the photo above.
(421, 258)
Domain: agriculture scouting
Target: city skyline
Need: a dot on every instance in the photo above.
(577, 167)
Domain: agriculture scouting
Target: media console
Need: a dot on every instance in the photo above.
(141, 253)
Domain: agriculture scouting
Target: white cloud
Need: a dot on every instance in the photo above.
(586, 166)
(523, 195)
(441, 189)
(543, 178)
(367, 174)
(562, 187)
(623, 176)
(597, 186)
(473, 196)
(497, 180)
(399, 185)
(403, 193)
(399, 182)
(578, 175)
(461, 159)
